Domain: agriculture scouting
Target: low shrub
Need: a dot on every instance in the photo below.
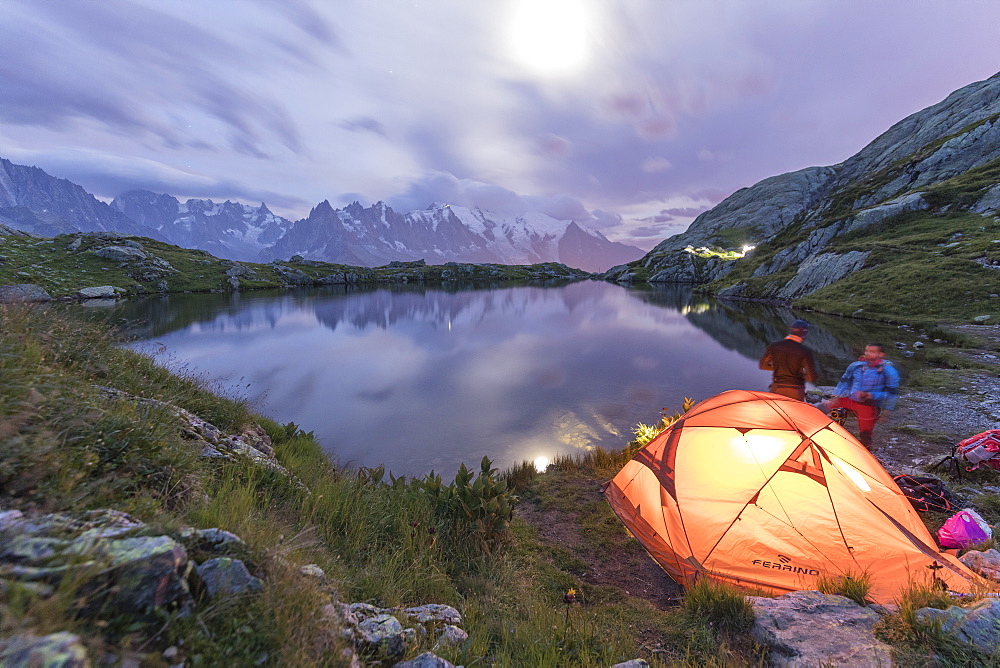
(853, 586)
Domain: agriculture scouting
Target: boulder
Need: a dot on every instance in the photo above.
(23, 292)
(56, 650)
(434, 613)
(225, 577)
(121, 253)
(819, 271)
(876, 214)
(989, 203)
(762, 210)
(293, 276)
(426, 660)
(129, 575)
(807, 628)
(100, 292)
(985, 563)
(451, 636)
(685, 267)
(383, 636)
(977, 625)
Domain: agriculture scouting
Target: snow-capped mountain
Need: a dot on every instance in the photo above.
(228, 229)
(35, 202)
(443, 233)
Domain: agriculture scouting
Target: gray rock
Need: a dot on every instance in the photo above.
(807, 628)
(23, 292)
(634, 663)
(292, 275)
(426, 660)
(985, 563)
(56, 650)
(451, 636)
(149, 575)
(100, 292)
(216, 540)
(225, 577)
(135, 576)
(121, 253)
(877, 214)
(820, 271)
(989, 203)
(978, 625)
(383, 636)
(434, 613)
(242, 271)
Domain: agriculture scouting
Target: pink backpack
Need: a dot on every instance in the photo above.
(964, 529)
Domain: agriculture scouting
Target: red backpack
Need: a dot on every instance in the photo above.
(982, 448)
(976, 450)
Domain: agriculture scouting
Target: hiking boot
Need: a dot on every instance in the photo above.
(866, 440)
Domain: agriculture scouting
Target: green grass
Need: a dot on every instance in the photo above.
(921, 266)
(855, 586)
(62, 269)
(66, 447)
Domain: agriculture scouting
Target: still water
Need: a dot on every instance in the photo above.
(422, 378)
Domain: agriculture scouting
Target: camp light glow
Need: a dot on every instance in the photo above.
(852, 474)
(751, 447)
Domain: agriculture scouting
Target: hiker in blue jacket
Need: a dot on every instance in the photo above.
(868, 387)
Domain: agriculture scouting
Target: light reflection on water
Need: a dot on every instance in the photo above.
(423, 378)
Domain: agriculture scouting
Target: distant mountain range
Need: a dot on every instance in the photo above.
(35, 202)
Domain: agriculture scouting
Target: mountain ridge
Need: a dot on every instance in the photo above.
(35, 202)
(829, 237)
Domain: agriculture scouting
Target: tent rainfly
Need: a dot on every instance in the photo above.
(765, 492)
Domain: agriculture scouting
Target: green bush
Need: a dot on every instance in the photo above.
(478, 507)
(853, 586)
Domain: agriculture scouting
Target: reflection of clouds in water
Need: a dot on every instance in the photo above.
(645, 363)
(521, 373)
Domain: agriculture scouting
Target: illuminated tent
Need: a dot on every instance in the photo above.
(762, 491)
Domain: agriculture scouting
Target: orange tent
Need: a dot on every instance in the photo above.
(762, 491)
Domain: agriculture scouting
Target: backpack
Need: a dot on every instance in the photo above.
(925, 493)
(982, 448)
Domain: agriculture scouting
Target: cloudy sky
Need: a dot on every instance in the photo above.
(629, 115)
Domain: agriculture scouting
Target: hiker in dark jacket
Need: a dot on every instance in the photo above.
(868, 387)
(791, 362)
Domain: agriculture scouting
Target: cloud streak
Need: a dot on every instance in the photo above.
(671, 106)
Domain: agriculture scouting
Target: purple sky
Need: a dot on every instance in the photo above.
(631, 116)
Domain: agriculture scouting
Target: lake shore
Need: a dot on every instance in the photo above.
(66, 449)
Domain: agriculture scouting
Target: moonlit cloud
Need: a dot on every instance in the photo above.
(630, 117)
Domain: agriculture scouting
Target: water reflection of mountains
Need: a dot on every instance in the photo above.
(360, 307)
(744, 327)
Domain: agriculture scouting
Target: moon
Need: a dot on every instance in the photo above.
(550, 36)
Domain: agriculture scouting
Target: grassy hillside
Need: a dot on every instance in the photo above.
(66, 447)
(921, 265)
(66, 263)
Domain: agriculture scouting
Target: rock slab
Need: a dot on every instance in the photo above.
(807, 628)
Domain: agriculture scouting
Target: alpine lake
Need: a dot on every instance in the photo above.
(425, 377)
